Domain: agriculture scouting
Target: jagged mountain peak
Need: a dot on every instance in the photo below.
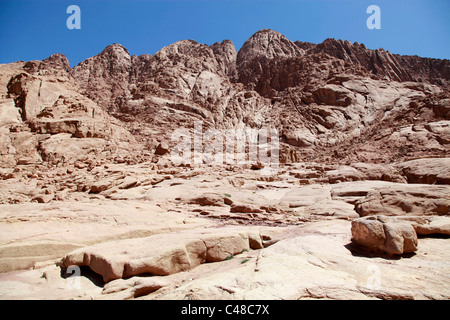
(268, 44)
(58, 59)
(115, 48)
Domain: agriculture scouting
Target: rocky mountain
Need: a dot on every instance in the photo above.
(45, 119)
(92, 200)
(333, 101)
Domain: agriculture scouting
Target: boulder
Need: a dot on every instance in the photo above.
(383, 234)
(208, 199)
(221, 247)
(43, 198)
(245, 208)
(160, 254)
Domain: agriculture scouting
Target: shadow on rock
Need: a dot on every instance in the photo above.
(361, 251)
(83, 271)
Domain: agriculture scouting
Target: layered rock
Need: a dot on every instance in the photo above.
(159, 255)
(48, 119)
(407, 200)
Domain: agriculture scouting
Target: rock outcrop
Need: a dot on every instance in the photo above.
(47, 119)
(408, 199)
(162, 254)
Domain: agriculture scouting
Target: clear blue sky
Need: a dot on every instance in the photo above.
(36, 29)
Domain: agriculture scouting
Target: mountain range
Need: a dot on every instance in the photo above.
(333, 102)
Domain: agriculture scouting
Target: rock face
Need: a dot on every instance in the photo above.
(378, 62)
(49, 120)
(108, 70)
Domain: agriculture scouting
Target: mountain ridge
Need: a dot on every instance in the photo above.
(326, 100)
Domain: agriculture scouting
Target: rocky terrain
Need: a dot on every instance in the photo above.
(353, 204)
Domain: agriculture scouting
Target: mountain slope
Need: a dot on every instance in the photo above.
(335, 101)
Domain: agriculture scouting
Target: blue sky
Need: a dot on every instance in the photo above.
(36, 29)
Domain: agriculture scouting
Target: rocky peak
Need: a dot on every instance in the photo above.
(305, 45)
(188, 55)
(58, 60)
(268, 44)
(113, 59)
(118, 58)
(380, 63)
(106, 75)
(184, 48)
(226, 55)
(116, 49)
(226, 49)
(339, 48)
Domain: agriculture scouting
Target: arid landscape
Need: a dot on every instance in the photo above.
(150, 177)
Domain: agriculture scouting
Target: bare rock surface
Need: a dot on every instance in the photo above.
(94, 206)
(38, 232)
(160, 254)
(154, 242)
(406, 200)
(430, 171)
(320, 264)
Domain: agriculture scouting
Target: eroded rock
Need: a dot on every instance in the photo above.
(384, 234)
(159, 254)
(397, 200)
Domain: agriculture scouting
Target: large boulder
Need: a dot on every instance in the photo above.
(383, 234)
(160, 254)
